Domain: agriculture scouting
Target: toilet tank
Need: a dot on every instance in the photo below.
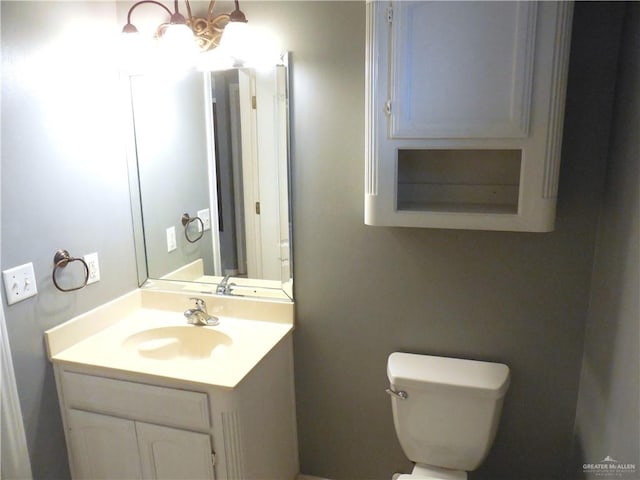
(451, 411)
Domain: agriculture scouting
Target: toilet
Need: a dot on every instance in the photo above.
(445, 411)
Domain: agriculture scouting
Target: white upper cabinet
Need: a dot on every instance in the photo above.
(465, 105)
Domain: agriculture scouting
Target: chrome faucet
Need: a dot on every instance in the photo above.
(224, 287)
(199, 316)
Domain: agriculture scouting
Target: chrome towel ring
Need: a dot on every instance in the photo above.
(188, 220)
(60, 260)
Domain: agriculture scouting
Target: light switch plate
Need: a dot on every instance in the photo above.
(171, 239)
(19, 283)
(206, 219)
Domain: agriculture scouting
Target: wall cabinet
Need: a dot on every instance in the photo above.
(465, 106)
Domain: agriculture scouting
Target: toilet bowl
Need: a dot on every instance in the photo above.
(445, 412)
(421, 472)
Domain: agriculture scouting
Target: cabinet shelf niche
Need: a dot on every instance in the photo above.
(458, 181)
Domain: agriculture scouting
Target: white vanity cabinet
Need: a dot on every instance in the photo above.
(464, 111)
(122, 425)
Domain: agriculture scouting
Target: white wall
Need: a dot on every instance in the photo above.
(608, 420)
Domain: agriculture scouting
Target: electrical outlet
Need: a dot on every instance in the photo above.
(206, 219)
(19, 283)
(94, 267)
(171, 239)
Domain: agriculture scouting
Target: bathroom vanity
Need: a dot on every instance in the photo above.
(144, 395)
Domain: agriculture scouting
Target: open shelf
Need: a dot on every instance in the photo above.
(458, 181)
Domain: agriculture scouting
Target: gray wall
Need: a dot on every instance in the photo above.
(224, 160)
(361, 292)
(607, 421)
(64, 185)
(171, 151)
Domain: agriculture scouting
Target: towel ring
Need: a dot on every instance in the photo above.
(188, 220)
(60, 260)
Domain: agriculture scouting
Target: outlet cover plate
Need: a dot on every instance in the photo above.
(94, 267)
(206, 219)
(19, 283)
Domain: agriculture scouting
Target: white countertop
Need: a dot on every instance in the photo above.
(99, 338)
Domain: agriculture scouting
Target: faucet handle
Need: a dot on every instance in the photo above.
(200, 303)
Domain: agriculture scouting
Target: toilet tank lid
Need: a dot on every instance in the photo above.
(427, 372)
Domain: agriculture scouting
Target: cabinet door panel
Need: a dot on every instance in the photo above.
(103, 447)
(168, 453)
(461, 69)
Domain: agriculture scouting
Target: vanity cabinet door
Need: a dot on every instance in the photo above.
(111, 448)
(103, 447)
(168, 453)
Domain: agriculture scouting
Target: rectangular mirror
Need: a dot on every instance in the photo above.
(209, 167)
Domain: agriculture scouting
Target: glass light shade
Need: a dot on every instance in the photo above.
(235, 42)
(178, 37)
(178, 45)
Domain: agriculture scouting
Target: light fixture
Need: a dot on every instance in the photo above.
(206, 31)
(176, 18)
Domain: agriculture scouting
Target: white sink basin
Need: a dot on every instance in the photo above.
(145, 333)
(167, 343)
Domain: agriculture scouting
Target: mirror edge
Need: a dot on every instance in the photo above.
(134, 179)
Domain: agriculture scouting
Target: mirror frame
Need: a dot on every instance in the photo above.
(144, 281)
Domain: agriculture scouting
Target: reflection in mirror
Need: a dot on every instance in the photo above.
(212, 169)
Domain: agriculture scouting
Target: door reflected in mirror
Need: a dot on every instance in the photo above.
(210, 180)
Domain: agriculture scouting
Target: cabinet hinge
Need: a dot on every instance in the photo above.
(213, 459)
(254, 102)
(389, 14)
(387, 107)
(257, 208)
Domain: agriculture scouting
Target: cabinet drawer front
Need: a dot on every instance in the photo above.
(168, 406)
